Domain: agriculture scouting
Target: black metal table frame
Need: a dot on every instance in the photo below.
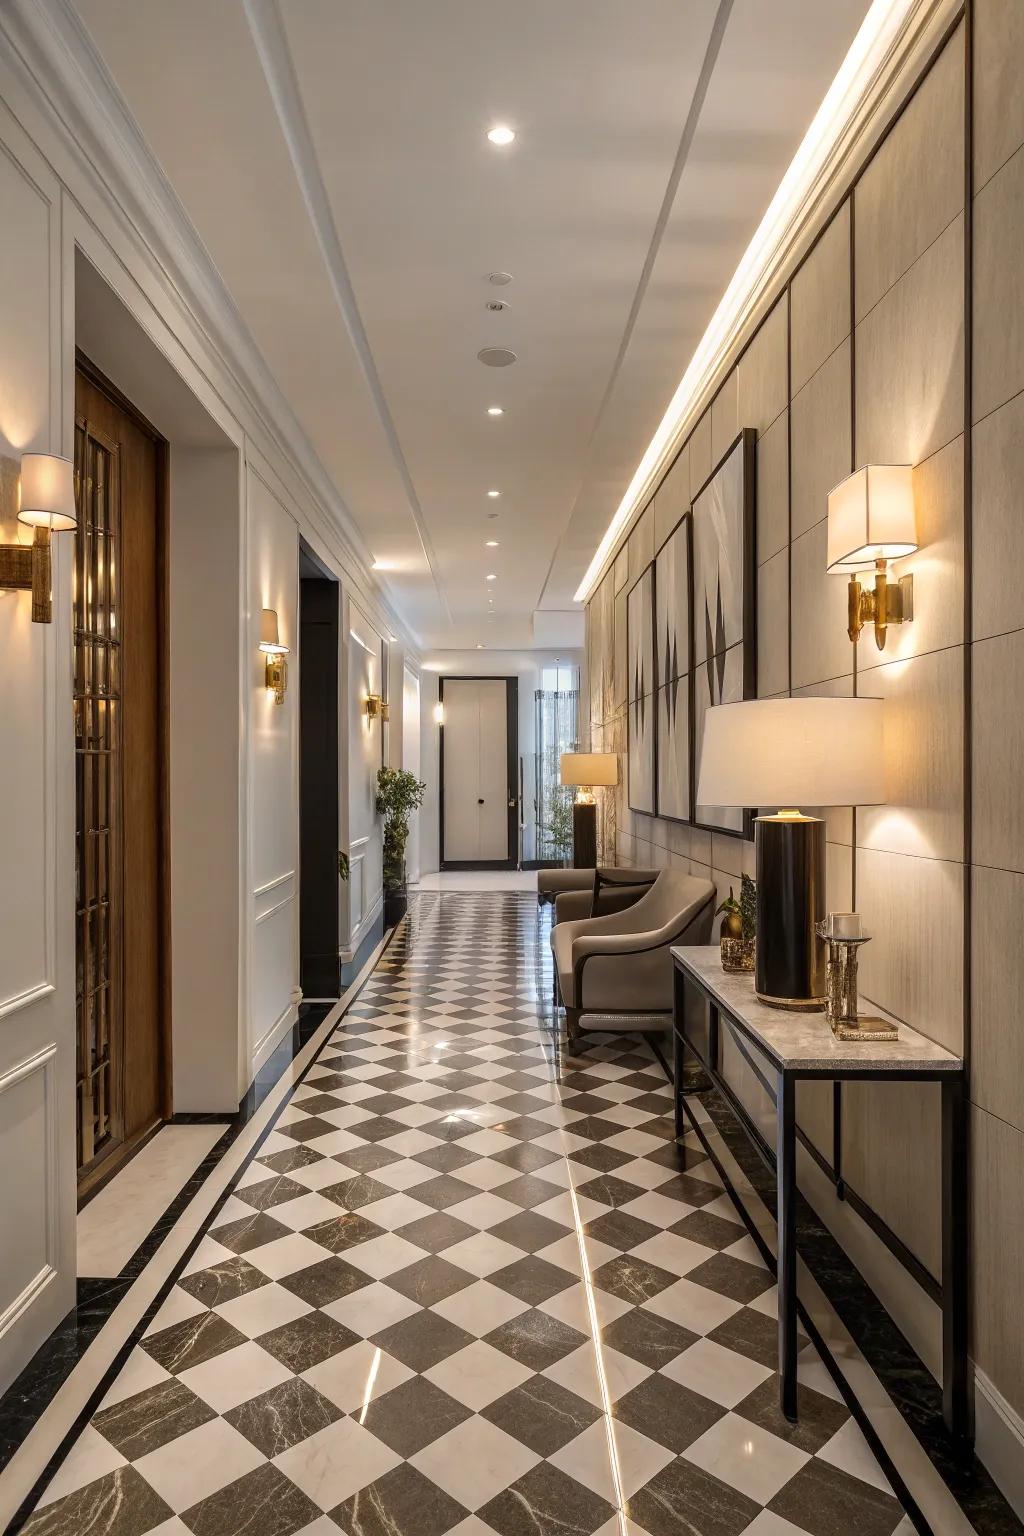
(953, 1292)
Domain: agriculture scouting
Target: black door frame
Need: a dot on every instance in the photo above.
(319, 762)
(512, 773)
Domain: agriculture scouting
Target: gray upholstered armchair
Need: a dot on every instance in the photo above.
(609, 890)
(620, 964)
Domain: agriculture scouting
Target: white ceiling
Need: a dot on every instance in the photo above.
(332, 157)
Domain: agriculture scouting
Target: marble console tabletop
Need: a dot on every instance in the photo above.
(803, 1042)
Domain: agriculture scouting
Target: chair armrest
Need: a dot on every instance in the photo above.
(631, 962)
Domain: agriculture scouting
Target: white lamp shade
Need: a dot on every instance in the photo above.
(48, 492)
(270, 639)
(590, 769)
(792, 753)
(871, 517)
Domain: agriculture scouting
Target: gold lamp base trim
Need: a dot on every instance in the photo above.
(793, 1004)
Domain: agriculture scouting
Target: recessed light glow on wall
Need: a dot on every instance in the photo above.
(492, 543)
(491, 576)
(869, 50)
(493, 493)
(495, 410)
(501, 135)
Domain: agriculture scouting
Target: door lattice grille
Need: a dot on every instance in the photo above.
(98, 841)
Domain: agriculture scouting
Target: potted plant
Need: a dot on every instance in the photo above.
(398, 794)
(557, 831)
(739, 923)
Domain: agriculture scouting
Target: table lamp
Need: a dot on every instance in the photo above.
(786, 752)
(585, 770)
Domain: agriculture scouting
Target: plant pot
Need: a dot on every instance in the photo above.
(396, 905)
(737, 954)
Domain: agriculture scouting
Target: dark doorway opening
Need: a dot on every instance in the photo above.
(319, 856)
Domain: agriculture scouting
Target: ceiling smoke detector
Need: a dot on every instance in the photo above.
(496, 305)
(499, 279)
(496, 357)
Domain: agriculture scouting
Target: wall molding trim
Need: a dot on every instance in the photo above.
(57, 62)
(999, 1439)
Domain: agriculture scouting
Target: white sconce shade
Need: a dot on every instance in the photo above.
(48, 492)
(591, 770)
(793, 752)
(270, 639)
(439, 714)
(871, 517)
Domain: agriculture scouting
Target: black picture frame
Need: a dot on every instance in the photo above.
(633, 699)
(684, 523)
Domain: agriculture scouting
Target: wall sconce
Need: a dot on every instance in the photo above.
(385, 711)
(870, 522)
(439, 714)
(270, 644)
(47, 506)
(374, 706)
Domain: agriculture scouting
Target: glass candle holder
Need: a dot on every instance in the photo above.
(845, 1022)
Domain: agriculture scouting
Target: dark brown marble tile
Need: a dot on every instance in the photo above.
(620, 1230)
(149, 1419)
(529, 1190)
(532, 1279)
(326, 1281)
(609, 1189)
(732, 1277)
(308, 1129)
(191, 1342)
(690, 1191)
(632, 1279)
(270, 1192)
(292, 1158)
(369, 1158)
(379, 1128)
(282, 1417)
(250, 1232)
(435, 1232)
(413, 1415)
(430, 1280)
(421, 1340)
(448, 1157)
(301, 1344)
(647, 1337)
(341, 1233)
(708, 1230)
(120, 1503)
(542, 1414)
(401, 1503)
(443, 1191)
(664, 1411)
(524, 1157)
(544, 1500)
(824, 1501)
(536, 1339)
(352, 1194)
(599, 1157)
(752, 1334)
(263, 1503)
(222, 1282)
(818, 1416)
(529, 1230)
(682, 1497)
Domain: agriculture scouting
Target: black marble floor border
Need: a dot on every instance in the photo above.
(35, 1389)
(905, 1378)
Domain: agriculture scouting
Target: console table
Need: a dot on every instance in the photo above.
(801, 1046)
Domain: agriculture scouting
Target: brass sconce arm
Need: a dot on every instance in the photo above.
(884, 604)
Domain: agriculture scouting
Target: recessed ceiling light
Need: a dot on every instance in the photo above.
(491, 576)
(501, 135)
(496, 306)
(493, 493)
(495, 410)
(492, 543)
(491, 516)
(499, 279)
(480, 646)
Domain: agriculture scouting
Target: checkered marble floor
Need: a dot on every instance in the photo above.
(471, 1285)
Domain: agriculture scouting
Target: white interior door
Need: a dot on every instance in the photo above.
(476, 788)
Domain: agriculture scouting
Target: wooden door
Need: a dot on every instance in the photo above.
(478, 757)
(121, 864)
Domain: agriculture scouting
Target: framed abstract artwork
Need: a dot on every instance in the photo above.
(640, 693)
(673, 771)
(723, 637)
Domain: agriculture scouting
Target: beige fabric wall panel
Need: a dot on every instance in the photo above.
(891, 1157)
(673, 498)
(701, 462)
(762, 379)
(725, 422)
(999, 284)
(998, 527)
(997, 984)
(910, 359)
(998, 99)
(820, 438)
(820, 301)
(821, 647)
(773, 626)
(773, 489)
(997, 1234)
(914, 187)
(997, 751)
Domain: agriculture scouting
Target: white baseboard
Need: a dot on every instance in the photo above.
(348, 952)
(999, 1440)
(271, 1040)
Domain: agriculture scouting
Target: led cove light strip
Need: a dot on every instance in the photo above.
(879, 31)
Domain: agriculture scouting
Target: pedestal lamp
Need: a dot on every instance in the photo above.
(786, 752)
(587, 771)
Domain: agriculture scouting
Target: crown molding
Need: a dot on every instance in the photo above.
(55, 59)
(860, 119)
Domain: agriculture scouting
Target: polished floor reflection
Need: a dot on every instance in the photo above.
(470, 1284)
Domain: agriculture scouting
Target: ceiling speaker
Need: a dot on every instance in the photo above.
(496, 357)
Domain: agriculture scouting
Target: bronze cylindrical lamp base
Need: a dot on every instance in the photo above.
(790, 957)
(584, 835)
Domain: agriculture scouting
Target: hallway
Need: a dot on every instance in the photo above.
(469, 1285)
